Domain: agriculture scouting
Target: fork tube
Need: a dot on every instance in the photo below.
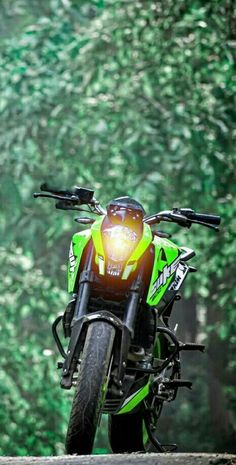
(84, 287)
(134, 298)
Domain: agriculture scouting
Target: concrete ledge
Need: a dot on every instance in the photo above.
(125, 459)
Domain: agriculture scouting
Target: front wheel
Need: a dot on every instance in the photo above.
(91, 388)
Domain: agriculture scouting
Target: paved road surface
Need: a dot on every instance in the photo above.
(125, 459)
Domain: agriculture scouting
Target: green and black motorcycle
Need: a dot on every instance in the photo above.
(122, 356)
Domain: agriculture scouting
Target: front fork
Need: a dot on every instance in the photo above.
(85, 280)
(82, 318)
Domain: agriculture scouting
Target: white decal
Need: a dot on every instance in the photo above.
(181, 273)
(130, 398)
(72, 260)
(167, 271)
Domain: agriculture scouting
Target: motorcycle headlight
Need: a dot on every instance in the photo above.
(119, 242)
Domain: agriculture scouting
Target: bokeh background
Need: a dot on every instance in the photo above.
(127, 97)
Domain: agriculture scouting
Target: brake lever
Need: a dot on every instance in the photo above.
(49, 196)
(72, 198)
(162, 234)
(156, 219)
(168, 216)
(180, 219)
(63, 206)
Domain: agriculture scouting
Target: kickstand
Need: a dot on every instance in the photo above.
(170, 447)
(160, 447)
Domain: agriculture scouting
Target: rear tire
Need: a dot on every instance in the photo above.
(90, 390)
(126, 433)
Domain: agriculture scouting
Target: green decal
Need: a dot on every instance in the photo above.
(78, 243)
(145, 435)
(142, 246)
(97, 240)
(135, 399)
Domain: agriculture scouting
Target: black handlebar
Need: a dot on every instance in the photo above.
(72, 199)
(78, 194)
(202, 217)
(51, 196)
(185, 217)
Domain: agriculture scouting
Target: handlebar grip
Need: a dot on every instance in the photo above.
(205, 218)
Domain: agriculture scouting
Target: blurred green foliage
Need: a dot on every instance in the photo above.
(129, 98)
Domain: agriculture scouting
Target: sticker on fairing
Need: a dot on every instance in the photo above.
(167, 271)
(180, 276)
(72, 260)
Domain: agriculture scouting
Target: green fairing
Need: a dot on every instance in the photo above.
(165, 262)
(98, 244)
(78, 243)
(143, 244)
(135, 399)
(131, 263)
(161, 260)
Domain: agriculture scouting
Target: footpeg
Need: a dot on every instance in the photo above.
(192, 346)
(176, 383)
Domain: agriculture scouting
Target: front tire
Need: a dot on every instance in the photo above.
(90, 390)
